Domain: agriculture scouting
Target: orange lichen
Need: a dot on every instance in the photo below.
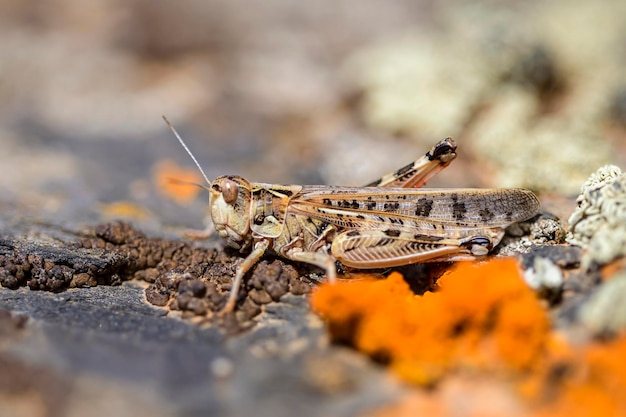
(558, 361)
(461, 396)
(611, 269)
(483, 316)
(595, 385)
(175, 182)
(124, 210)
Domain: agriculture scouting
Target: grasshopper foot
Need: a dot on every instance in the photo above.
(199, 234)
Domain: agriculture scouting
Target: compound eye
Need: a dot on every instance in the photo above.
(230, 190)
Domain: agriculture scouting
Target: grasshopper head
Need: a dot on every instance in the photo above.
(230, 198)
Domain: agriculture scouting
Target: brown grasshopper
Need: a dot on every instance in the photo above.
(388, 223)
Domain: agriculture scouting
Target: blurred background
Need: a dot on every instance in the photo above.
(533, 92)
(279, 91)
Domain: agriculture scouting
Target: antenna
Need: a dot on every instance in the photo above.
(187, 149)
(180, 182)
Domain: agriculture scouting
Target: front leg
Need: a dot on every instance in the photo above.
(259, 249)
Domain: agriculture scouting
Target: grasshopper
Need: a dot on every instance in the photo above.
(387, 223)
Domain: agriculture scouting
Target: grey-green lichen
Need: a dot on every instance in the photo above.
(542, 153)
(547, 135)
(544, 276)
(420, 85)
(599, 222)
(530, 88)
(605, 311)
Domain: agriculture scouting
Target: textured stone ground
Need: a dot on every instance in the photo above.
(107, 309)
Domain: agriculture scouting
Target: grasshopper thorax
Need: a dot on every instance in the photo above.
(229, 199)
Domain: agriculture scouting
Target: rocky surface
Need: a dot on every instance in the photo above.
(107, 308)
(106, 350)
